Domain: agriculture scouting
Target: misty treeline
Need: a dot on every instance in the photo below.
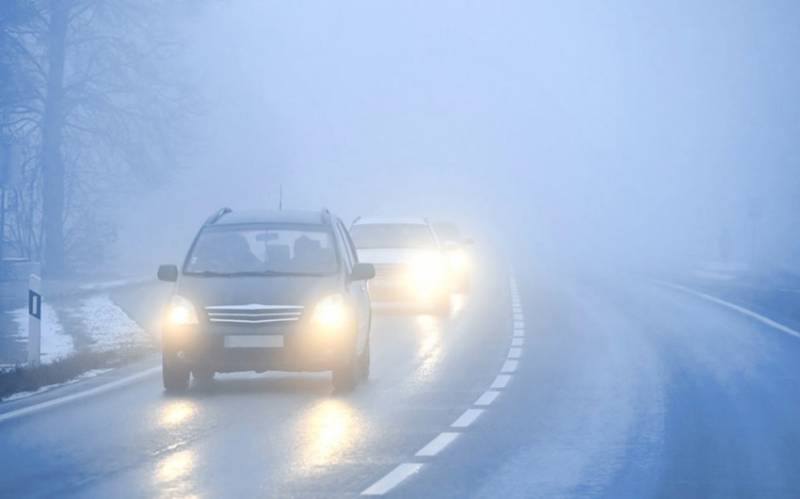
(91, 111)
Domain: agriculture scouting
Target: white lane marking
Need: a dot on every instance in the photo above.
(519, 332)
(749, 313)
(518, 317)
(517, 342)
(519, 324)
(514, 353)
(509, 366)
(392, 479)
(77, 396)
(438, 444)
(501, 381)
(466, 419)
(487, 398)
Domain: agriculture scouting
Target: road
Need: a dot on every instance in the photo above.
(620, 387)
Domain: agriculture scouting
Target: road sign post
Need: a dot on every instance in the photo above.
(34, 320)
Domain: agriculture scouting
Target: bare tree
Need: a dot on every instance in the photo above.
(100, 106)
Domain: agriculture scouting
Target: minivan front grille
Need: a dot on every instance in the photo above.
(254, 313)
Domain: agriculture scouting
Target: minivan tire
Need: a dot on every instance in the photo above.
(174, 374)
(203, 377)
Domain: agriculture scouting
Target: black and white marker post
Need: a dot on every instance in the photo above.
(34, 320)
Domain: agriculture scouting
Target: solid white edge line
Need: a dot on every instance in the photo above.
(77, 396)
(466, 419)
(749, 313)
(487, 398)
(517, 342)
(519, 332)
(509, 366)
(501, 381)
(514, 352)
(392, 479)
(518, 317)
(519, 324)
(438, 444)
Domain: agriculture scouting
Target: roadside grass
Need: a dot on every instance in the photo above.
(29, 378)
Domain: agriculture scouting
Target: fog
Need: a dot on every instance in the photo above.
(600, 132)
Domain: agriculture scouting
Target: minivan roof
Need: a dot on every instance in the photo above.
(301, 217)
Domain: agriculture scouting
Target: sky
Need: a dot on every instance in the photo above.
(625, 130)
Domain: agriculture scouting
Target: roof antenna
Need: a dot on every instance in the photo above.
(280, 198)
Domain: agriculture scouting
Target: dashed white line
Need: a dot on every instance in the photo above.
(487, 398)
(438, 444)
(392, 479)
(404, 471)
(509, 366)
(501, 381)
(466, 419)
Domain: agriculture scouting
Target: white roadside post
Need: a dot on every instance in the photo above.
(34, 320)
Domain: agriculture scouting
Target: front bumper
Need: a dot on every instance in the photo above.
(303, 349)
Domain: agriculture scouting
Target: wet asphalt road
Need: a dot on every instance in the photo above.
(620, 388)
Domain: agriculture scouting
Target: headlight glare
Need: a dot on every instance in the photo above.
(426, 274)
(181, 312)
(331, 312)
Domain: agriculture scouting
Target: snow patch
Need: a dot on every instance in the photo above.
(107, 324)
(55, 342)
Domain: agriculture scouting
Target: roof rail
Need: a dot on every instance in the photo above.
(326, 215)
(217, 215)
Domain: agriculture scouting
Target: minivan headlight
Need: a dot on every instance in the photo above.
(181, 312)
(331, 312)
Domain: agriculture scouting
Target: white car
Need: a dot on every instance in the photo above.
(409, 260)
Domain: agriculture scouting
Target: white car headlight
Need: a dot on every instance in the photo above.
(427, 274)
(181, 312)
(458, 260)
(331, 312)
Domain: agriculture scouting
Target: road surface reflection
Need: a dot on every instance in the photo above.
(327, 430)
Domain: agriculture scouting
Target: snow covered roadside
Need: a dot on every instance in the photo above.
(101, 323)
(56, 344)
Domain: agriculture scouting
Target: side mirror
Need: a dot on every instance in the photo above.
(362, 272)
(168, 273)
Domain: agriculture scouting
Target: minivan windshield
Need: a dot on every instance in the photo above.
(262, 250)
(400, 235)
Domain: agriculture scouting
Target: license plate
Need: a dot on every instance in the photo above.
(254, 341)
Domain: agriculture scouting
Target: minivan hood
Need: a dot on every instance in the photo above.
(258, 290)
(392, 255)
